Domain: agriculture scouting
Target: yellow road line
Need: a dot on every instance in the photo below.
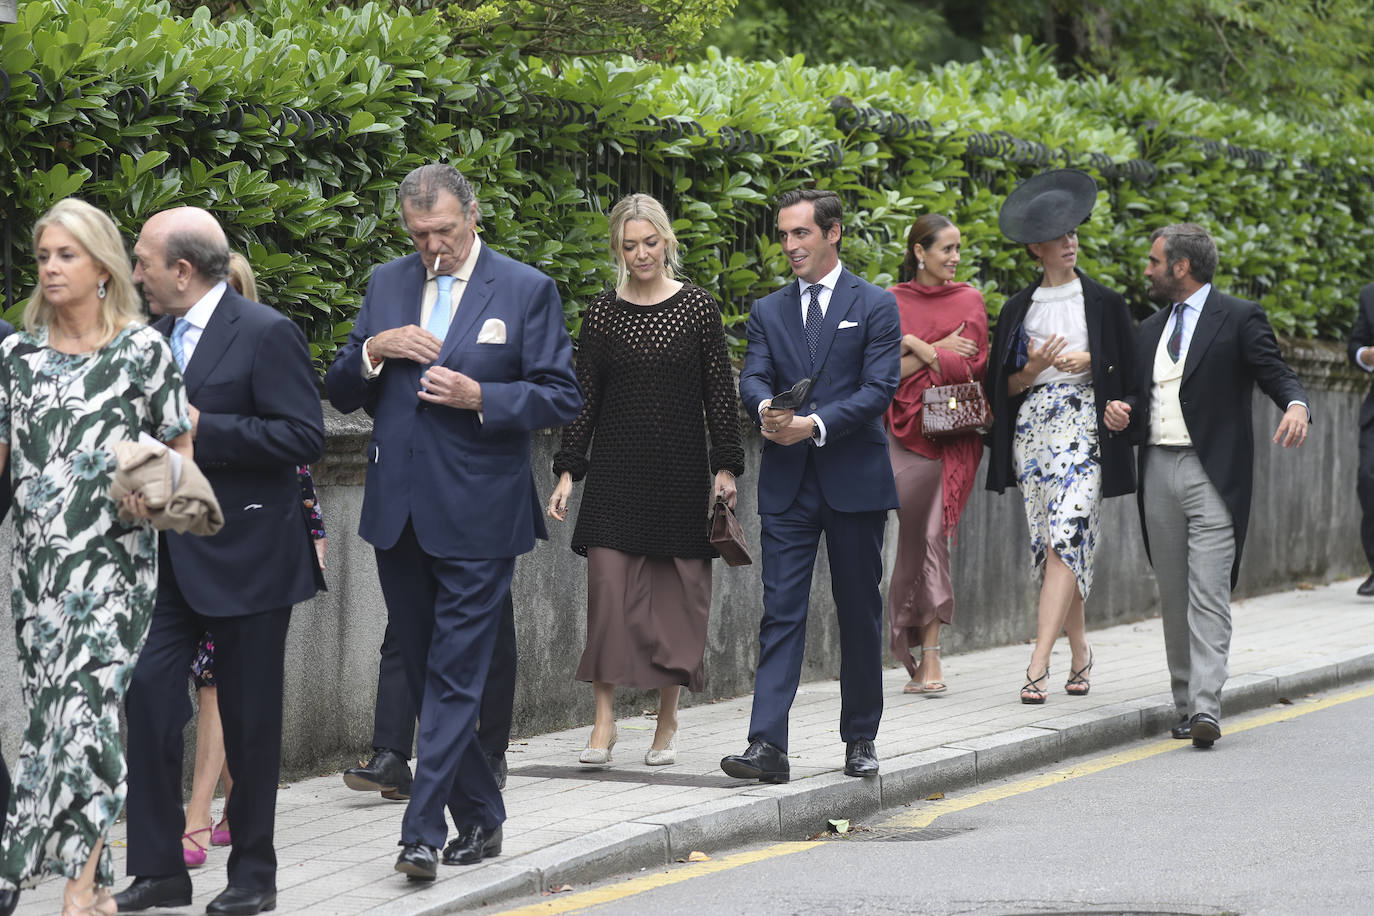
(928, 815)
(612, 893)
(922, 818)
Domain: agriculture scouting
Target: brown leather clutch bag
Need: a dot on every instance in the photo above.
(955, 410)
(727, 536)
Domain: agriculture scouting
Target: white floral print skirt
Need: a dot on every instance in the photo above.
(1059, 471)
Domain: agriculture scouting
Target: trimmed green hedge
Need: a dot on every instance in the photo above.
(296, 126)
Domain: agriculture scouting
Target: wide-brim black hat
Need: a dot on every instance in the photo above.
(1047, 205)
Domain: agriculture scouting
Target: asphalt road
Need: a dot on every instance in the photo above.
(1278, 818)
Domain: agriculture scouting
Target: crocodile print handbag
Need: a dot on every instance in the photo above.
(955, 410)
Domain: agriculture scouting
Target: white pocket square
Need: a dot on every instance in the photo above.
(493, 332)
(847, 324)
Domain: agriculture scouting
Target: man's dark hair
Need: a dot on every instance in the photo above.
(207, 253)
(420, 189)
(1191, 241)
(828, 210)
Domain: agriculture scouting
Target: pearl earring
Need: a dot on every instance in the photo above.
(100, 289)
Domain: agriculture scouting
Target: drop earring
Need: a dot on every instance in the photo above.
(920, 264)
(100, 290)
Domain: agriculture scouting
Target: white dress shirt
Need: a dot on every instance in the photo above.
(198, 316)
(827, 289)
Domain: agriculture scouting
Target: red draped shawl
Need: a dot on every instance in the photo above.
(931, 313)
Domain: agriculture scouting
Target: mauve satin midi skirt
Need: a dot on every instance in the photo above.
(920, 590)
(646, 620)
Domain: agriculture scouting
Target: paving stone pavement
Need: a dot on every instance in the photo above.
(571, 824)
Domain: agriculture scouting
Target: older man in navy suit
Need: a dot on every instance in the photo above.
(825, 469)
(458, 353)
(256, 416)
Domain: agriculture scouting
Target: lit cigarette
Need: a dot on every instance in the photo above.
(436, 263)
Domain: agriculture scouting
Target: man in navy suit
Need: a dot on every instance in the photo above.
(1197, 364)
(458, 353)
(255, 413)
(825, 469)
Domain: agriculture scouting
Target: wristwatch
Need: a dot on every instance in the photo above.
(815, 429)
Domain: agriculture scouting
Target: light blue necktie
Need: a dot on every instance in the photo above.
(441, 314)
(178, 347)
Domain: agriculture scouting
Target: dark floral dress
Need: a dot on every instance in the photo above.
(83, 583)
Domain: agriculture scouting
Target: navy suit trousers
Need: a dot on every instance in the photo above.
(854, 543)
(4, 793)
(249, 655)
(393, 721)
(445, 614)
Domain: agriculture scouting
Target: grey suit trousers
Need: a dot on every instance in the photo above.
(1192, 547)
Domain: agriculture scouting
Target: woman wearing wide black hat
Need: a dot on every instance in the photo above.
(1062, 349)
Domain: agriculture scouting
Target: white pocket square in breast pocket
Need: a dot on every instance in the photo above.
(493, 332)
(847, 324)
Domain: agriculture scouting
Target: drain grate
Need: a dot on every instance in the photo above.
(895, 834)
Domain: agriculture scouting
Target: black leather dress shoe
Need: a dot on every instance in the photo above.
(418, 861)
(763, 761)
(1205, 730)
(473, 845)
(241, 901)
(1183, 729)
(1366, 588)
(387, 772)
(8, 901)
(172, 890)
(498, 769)
(860, 758)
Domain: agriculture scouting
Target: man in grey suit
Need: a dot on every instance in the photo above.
(1197, 364)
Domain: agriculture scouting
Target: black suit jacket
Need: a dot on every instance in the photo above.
(1233, 349)
(1111, 341)
(252, 380)
(1363, 336)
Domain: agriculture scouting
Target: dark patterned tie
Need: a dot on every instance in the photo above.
(814, 318)
(1176, 338)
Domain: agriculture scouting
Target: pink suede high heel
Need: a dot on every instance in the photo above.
(221, 835)
(195, 858)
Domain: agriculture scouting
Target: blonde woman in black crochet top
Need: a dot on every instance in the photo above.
(655, 371)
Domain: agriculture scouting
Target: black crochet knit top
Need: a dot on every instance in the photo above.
(649, 374)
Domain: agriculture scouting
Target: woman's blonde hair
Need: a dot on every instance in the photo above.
(96, 233)
(241, 276)
(642, 206)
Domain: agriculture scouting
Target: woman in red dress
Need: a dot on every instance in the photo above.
(944, 342)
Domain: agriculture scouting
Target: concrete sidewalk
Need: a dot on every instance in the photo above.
(569, 824)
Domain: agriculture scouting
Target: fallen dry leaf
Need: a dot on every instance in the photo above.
(698, 856)
(935, 796)
(839, 825)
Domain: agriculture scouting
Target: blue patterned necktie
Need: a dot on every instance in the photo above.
(441, 314)
(814, 318)
(1176, 338)
(178, 346)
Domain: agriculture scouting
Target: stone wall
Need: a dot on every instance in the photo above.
(1304, 528)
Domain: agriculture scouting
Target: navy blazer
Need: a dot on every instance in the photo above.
(252, 380)
(1111, 341)
(1233, 348)
(856, 373)
(463, 482)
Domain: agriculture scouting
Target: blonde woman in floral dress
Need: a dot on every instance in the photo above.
(82, 374)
